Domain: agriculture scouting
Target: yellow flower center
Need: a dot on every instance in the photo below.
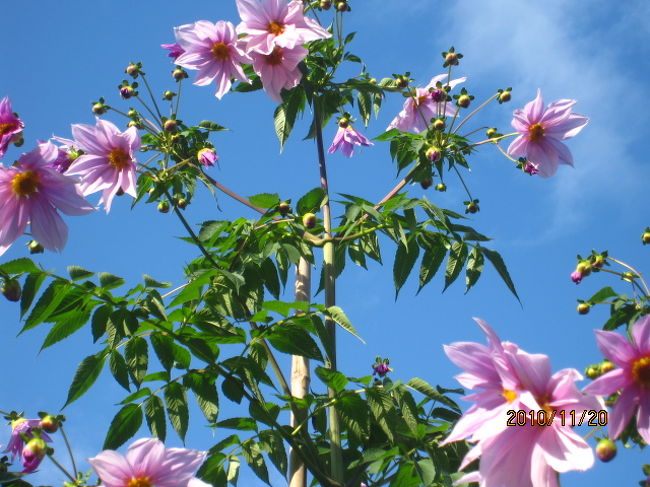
(139, 482)
(536, 132)
(118, 158)
(24, 184)
(275, 28)
(17, 422)
(275, 57)
(221, 51)
(5, 128)
(641, 371)
(421, 99)
(509, 394)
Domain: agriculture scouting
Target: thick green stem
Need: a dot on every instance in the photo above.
(336, 453)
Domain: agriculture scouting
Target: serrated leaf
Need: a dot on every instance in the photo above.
(118, 368)
(294, 340)
(233, 470)
(285, 114)
(272, 443)
(151, 282)
(46, 304)
(455, 262)
(405, 258)
(163, 346)
(212, 126)
(85, 376)
(497, 261)
(125, 424)
(99, 321)
(109, 281)
(474, 268)
(332, 378)
(77, 273)
(177, 409)
(31, 286)
(253, 456)
(340, 318)
(18, 266)
(67, 326)
(311, 201)
(433, 257)
(265, 200)
(364, 103)
(154, 413)
(137, 358)
(233, 389)
(270, 275)
(206, 394)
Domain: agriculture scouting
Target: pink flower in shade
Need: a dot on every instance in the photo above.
(22, 426)
(541, 132)
(576, 276)
(31, 192)
(10, 125)
(108, 162)
(207, 156)
(279, 69)
(147, 464)
(427, 103)
(175, 50)
(521, 456)
(214, 50)
(631, 377)
(346, 138)
(271, 23)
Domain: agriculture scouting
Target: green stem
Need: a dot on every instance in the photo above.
(476, 110)
(146, 84)
(336, 454)
(178, 96)
(148, 109)
(647, 292)
(469, 195)
(60, 467)
(67, 445)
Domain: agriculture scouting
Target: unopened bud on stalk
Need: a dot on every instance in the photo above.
(433, 154)
(11, 290)
(127, 92)
(606, 366)
(49, 424)
(170, 126)
(168, 95)
(344, 122)
(464, 101)
(284, 208)
(645, 238)
(451, 58)
(99, 108)
(132, 113)
(309, 220)
(342, 7)
(179, 74)
(504, 96)
(583, 308)
(325, 4)
(606, 450)
(442, 187)
(35, 247)
(163, 206)
(491, 133)
(132, 70)
(182, 203)
(439, 124)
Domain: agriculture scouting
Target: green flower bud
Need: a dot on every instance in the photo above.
(325, 4)
(182, 203)
(309, 220)
(505, 96)
(490, 133)
(179, 74)
(170, 126)
(645, 238)
(442, 187)
(439, 124)
(163, 206)
(49, 424)
(11, 290)
(606, 450)
(35, 247)
(464, 101)
(132, 70)
(606, 366)
(451, 58)
(284, 208)
(168, 95)
(99, 108)
(583, 308)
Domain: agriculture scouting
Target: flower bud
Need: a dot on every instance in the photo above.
(284, 208)
(35, 448)
(381, 369)
(592, 372)
(309, 220)
(598, 261)
(472, 207)
(35, 247)
(18, 140)
(576, 277)
(99, 108)
(439, 123)
(645, 238)
(505, 96)
(163, 206)
(132, 113)
(451, 58)
(438, 95)
(426, 183)
(464, 101)
(629, 276)
(182, 203)
(433, 154)
(373, 81)
(344, 122)
(606, 366)
(49, 424)
(11, 290)
(179, 74)
(583, 308)
(442, 187)
(490, 133)
(606, 450)
(207, 156)
(127, 92)
(584, 267)
(168, 95)
(342, 6)
(325, 4)
(402, 81)
(132, 70)
(170, 125)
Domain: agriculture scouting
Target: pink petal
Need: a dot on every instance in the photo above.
(615, 347)
(565, 450)
(641, 334)
(146, 456)
(643, 416)
(112, 468)
(47, 225)
(623, 411)
(519, 146)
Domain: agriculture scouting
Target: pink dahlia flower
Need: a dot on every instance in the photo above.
(518, 456)
(10, 125)
(271, 23)
(214, 50)
(147, 464)
(31, 192)
(174, 49)
(279, 69)
(541, 132)
(427, 103)
(108, 163)
(33, 453)
(207, 156)
(346, 138)
(22, 426)
(631, 377)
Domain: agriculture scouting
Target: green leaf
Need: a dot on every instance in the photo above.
(285, 114)
(18, 266)
(233, 389)
(270, 275)
(294, 340)
(474, 268)
(426, 470)
(46, 304)
(433, 257)
(233, 470)
(340, 318)
(332, 378)
(73, 321)
(253, 456)
(605, 293)
(125, 424)
(214, 127)
(405, 258)
(455, 261)
(205, 391)
(497, 261)
(406, 476)
(77, 273)
(137, 358)
(85, 376)
(30, 288)
(119, 370)
(272, 443)
(311, 201)
(163, 346)
(154, 413)
(265, 200)
(354, 414)
(364, 103)
(151, 282)
(109, 281)
(177, 410)
(99, 320)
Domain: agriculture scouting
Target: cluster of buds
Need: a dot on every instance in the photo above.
(596, 370)
(29, 437)
(451, 57)
(380, 368)
(585, 266)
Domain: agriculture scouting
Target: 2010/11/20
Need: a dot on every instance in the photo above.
(546, 418)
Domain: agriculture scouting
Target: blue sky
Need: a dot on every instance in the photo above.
(61, 56)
